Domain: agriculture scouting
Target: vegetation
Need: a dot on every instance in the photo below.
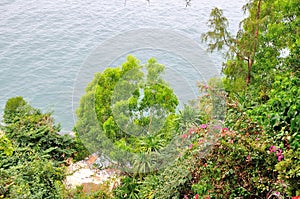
(129, 114)
(257, 154)
(32, 154)
(140, 121)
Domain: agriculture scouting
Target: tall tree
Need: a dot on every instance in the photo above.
(242, 48)
(267, 36)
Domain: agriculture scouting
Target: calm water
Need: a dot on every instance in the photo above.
(43, 44)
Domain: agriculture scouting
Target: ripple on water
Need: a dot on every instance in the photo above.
(44, 43)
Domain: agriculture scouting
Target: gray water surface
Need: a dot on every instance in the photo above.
(44, 43)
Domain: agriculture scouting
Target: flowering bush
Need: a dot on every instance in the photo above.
(238, 165)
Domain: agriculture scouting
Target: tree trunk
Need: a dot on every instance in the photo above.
(256, 33)
(250, 62)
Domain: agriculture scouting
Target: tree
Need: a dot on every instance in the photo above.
(255, 52)
(243, 47)
(126, 113)
(14, 108)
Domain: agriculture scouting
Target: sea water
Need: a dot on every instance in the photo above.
(44, 44)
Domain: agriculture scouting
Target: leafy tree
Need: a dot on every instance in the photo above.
(36, 179)
(123, 103)
(255, 53)
(242, 48)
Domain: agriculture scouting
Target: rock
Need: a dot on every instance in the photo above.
(83, 173)
(92, 159)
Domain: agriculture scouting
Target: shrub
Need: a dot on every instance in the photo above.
(32, 153)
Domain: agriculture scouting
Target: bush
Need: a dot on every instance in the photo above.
(26, 126)
(32, 153)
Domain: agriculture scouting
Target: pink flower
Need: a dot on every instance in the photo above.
(200, 141)
(203, 126)
(279, 158)
(225, 129)
(191, 146)
(185, 197)
(257, 139)
(272, 149)
(279, 151)
(248, 158)
(184, 136)
(197, 196)
(191, 131)
(279, 154)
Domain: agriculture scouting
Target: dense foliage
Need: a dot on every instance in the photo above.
(257, 154)
(32, 154)
(128, 115)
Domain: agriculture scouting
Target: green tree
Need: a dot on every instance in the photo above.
(255, 52)
(241, 48)
(125, 109)
(14, 109)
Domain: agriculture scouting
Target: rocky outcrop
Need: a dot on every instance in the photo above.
(86, 174)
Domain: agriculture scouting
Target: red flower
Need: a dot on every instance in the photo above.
(197, 196)
(296, 197)
(225, 129)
